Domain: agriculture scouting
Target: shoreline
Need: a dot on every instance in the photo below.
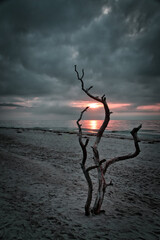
(112, 134)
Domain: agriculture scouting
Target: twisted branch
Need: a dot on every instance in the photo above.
(98, 164)
(101, 100)
(93, 167)
(128, 156)
(83, 146)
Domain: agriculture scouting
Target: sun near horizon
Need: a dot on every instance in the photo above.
(125, 110)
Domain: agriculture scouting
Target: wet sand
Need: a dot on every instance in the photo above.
(43, 190)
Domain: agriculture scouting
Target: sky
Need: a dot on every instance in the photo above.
(116, 42)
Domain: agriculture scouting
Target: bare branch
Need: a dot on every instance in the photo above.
(97, 162)
(82, 74)
(82, 85)
(80, 118)
(86, 173)
(89, 88)
(109, 184)
(90, 190)
(86, 143)
(102, 100)
(83, 146)
(105, 123)
(80, 78)
(101, 179)
(125, 157)
(93, 167)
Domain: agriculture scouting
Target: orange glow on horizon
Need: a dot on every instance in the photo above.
(118, 105)
(83, 104)
(154, 108)
(94, 105)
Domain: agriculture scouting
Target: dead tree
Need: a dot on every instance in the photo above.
(101, 169)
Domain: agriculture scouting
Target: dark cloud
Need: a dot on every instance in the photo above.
(10, 105)
(117, 42)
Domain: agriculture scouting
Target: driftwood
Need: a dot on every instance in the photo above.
(101, 170)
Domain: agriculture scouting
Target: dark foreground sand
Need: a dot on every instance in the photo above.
(43, 191)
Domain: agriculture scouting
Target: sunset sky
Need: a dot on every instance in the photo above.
(116, 42)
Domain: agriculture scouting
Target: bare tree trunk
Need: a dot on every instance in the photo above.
(101, 180)
(101, 171)
(86, 173)
(90, 190)
(102, 183)
(99, 199)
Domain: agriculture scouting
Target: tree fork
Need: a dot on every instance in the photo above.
(101, 171)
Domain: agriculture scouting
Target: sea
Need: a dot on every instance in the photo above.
(150, 128)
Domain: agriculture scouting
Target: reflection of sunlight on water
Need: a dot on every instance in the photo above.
(91, 124)
(121, 125)
(114, 125)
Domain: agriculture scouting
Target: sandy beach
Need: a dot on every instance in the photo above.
(43, 190)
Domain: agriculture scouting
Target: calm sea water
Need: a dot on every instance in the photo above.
(150, 128)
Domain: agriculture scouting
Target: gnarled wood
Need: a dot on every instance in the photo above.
(128, 156)
(98, 163)
(83, 146)
(86, 173)
(101, 179)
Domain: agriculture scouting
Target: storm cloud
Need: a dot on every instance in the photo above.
(117, 42)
